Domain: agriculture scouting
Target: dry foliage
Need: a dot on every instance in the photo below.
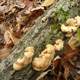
(65, 67)
(16, 18)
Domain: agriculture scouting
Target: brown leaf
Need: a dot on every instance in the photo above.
(60, 76)
(56, 63)
(66, 71)
(31, 15)
(10, 39)
(78, 77)
(69, 53)
(63, 66)
(29, 3)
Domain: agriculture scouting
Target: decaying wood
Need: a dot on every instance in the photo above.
(35, 37)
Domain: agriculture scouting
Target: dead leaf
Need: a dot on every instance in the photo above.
(31, 15)
(29, 3)
(10, 39)
(66, 71)
(69, 53)
(60, 76)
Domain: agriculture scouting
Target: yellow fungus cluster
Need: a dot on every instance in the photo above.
(27, 59)
(59, 44)
(43, 61)
(72, 24)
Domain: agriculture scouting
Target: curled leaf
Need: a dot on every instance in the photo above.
(10, 39)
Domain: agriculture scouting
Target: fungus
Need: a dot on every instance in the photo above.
(27, 59)
(59, 44)
(43, 61)
(71, 22)
(77, 20)
(68, 28)
(72, 25)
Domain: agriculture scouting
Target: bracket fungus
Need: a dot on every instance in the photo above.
(68, 29)
(25, 60)
(42, 62)
(59, 44)
(72, 24)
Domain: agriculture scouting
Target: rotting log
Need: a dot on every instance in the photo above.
(35, 37)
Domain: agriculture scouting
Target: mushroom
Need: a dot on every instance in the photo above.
(69, 28)
(77, 20)
(59, 44)
(72, 25)
(71, 22)
(27, 59)
(43, 61)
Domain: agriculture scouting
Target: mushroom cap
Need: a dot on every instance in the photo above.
(59, 44)
(41, 64)
(17, 66)
(71, 22)
(28, 54)
(78, 20)
(50, 48)
(29, 49)
(20, 60)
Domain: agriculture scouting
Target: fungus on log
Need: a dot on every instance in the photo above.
(34, 37)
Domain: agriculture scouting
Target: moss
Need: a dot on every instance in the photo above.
(62, 15)
(55, 23)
